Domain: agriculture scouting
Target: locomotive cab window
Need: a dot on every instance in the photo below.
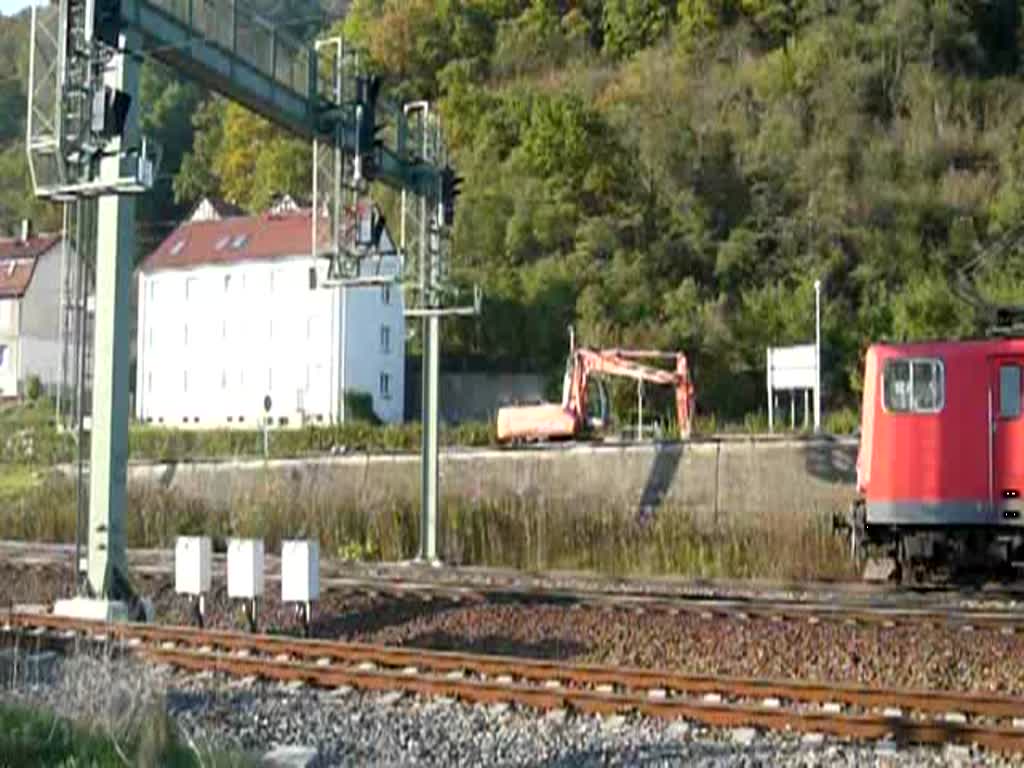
(914, 385)
(1009, 391)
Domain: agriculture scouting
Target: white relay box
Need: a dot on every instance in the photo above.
(245, 568)
(300, 571)
(192, 558)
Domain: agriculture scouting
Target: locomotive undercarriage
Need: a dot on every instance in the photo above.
(929, 554)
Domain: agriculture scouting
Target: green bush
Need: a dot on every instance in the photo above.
(159, 444)
(842, 422)
(33, 388)
(359, 407)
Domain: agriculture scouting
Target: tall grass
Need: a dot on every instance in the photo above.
(100, 717)
(605, 535)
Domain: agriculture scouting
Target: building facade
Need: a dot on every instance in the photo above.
(229, 315)
(30, 310)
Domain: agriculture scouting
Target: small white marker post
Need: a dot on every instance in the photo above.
(245, 576)
(192, 556)
(300, 577)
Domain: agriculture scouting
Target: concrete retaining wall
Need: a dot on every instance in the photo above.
(716, 481)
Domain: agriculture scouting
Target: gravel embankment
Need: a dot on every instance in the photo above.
(906, 656)
(352, 728)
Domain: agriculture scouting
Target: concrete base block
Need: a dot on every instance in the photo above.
(92, 609)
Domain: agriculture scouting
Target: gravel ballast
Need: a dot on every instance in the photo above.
(903, 655)
(370, 729)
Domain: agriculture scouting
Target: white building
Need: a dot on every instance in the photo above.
(30, 269)
(228, 315)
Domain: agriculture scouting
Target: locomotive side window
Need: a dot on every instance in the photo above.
(913, 385)
(1009, 391)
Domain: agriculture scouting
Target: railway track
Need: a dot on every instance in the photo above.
(853, 604)
(854, 711)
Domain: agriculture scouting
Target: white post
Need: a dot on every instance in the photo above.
(342, 406)
(640, 410)
(771, 394)
(817, 355)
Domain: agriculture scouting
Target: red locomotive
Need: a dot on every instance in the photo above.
(941, 465)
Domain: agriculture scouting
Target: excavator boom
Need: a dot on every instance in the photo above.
(549, 421)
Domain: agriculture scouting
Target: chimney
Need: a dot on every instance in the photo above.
(26, 229)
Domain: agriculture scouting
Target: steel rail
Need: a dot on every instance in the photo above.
(864, 726)
(161, 561)
(714, 713)
(465, 584)
(573, 676)
(708, 606)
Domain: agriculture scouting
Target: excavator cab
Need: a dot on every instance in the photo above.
(594, 418)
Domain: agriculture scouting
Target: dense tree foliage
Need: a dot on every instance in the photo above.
(677, 173)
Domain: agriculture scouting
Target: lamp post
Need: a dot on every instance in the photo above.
(817, 355)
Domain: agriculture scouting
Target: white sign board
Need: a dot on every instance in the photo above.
(792, 367)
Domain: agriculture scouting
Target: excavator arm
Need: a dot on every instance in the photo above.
(625, 363)
(551, 421)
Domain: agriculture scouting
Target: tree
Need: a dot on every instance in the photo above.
(630, 25)
(243, 158)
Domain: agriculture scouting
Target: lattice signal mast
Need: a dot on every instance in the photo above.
(84, 147)
(347, 229)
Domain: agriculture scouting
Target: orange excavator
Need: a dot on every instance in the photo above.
(554, 421)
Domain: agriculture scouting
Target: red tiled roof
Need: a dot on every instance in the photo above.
(243, 238)
(18, 263)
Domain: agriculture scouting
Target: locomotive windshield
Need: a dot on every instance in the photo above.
(913, 385)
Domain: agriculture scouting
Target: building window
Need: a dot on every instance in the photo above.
(239, 241)
(385, 339)
(3, 355)
(149, 336)
(191, 284)
(222, 242)
(224, 329)
(1009, 391)
(186, 334)
(385, 386)
(186, 383)
(227, 283)
(385, 294)
(270, 329)
(224, 378)
(149, 381)
(913, 385)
